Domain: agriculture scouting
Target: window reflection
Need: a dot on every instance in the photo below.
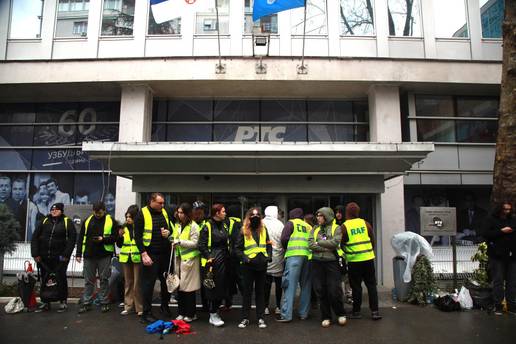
(26, 17)
(206, 20)
(316, 23)
(267, 24)
(450, 18)
(118, 18)
(404, 18)
(491, 17)
(357, 17)
(171, 27)
(72, 18)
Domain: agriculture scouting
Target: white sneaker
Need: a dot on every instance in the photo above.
(243, 324)
(261, 323)
(342, 320)
(180, 317)
(326, 323)
(125, 312)
(189, 320)
(215, 320)
(266, 311)
(277, 311)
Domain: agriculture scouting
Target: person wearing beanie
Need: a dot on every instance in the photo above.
(51, 247)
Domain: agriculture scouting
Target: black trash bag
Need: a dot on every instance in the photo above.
(446, 303)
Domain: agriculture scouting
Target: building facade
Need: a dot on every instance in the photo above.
(394, 105)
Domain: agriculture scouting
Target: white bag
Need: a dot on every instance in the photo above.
(15, 305)
(465, 300)
(409, 245)
(172, 279)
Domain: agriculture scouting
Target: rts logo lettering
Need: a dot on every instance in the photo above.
(268, 134)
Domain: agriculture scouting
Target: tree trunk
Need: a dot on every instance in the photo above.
(504, 176)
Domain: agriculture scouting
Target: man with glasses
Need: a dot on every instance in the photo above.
(96, 244)
(151, 231)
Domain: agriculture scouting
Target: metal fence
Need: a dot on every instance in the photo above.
(442, 262)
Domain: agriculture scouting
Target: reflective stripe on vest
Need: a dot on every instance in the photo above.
(359, 247)
(129, 248)
(232, 221)
(108, 226)
(147, 224)
(298, 242)
(207, 224)
(334, 227)
(251, 249)
(65, 219)
(185, 253)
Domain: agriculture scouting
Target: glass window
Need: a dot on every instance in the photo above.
(188, 111)
(283, 110)
(171, 27)
(357, 17)
(330, 133)
(267, 24)
(324, 111)
(26, 17)
(436, 130)
(237, 110)
(118, 18)
(16, 135)
(206, 20)
(316, 23)
(435, 106)
(491, 17)
(404, 18)
(15, 159)
(477, 107)
(63, 159)
(450, 18)
(189, 133)
(476, 131)
(72, 18)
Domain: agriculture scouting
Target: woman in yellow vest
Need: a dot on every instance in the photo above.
(254, 249)
(187, 262)
(131, 261)
(357, 239)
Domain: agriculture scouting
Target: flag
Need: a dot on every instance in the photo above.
(265, 7)
(165, 10)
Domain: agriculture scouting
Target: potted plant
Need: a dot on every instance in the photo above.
(479, 286)
(422, 286)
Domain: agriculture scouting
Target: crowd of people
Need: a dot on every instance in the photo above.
(218, 255)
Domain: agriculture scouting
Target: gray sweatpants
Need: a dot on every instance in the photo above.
(90, 269)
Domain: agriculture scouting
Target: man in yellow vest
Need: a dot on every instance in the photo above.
(294, 239)
(358, 239)
(96, 244)
(152, 228)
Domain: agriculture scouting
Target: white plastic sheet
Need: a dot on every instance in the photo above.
(409, 245)
(465, 300)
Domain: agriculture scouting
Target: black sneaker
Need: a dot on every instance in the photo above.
(84, 308)
(104, 308)
(282, 319)
(63, 307)
(376, 315)
(44, 307)
(147, 319)
(355, 315)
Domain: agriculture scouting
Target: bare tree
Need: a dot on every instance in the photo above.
(504, 183)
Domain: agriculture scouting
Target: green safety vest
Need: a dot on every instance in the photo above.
(207, 224)
(334, 227)
(108, 226)
(359, 247)
(232, 221)
(185, 253)
(298, 242)
(129, 248)
(251, 249)
(147, 224)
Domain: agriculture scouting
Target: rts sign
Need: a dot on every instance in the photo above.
(268, 134)
(438, 221)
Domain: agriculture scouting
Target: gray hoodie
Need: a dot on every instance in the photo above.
(274, 228)
(324, 246)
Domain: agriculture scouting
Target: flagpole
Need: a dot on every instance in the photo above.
(219, 68)
(302, 69)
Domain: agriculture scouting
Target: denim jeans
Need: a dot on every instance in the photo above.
(503, 271)
(297, 270)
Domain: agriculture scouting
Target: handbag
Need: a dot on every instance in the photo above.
(172, 279)
(49, 288)
(15, 305)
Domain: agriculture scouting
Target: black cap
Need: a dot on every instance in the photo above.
(59, 206)
(198, 204)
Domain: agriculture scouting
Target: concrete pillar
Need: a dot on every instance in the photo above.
(135, 126)
(385, 126)
(47, 28)
(427, 13)
(4, 28)
(382, 28)
(333, 28)
(475, 29)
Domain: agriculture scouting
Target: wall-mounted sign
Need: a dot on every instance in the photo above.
(438, 221)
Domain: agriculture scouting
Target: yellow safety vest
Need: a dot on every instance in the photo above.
(359, 247)
(147, 224)
(129, 249)
(65, 219)
(232, 221)
(334, 227)
(108, 226)
(298, 242)
(207, 224)
(251, 249)
(185, 253)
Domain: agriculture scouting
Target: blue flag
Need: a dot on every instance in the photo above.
(265, 7)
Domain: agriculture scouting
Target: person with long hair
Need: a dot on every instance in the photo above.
(254, 249)
(187, 261)
(214, 248)
(131, 261)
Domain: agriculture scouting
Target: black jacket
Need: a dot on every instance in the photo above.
(260, 261)
(53, 239)
(499, 244)
(92, 248)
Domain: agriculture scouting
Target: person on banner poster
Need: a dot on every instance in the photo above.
(56, 195)
(18, 209)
